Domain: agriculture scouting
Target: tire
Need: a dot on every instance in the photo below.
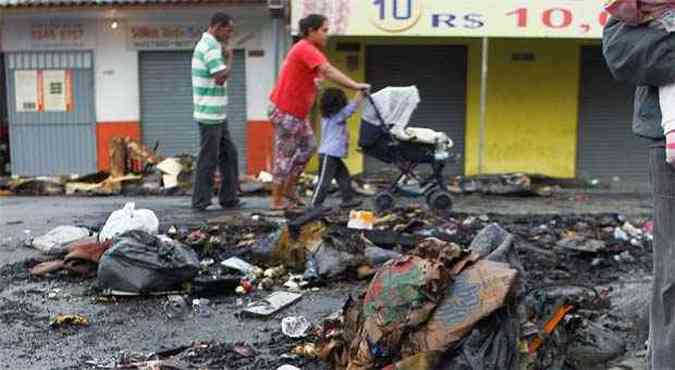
(439, 200)
(384, 201)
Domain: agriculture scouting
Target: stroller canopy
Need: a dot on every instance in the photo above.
(395, 104)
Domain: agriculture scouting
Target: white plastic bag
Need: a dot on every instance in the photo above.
(129, 218)
(55, 241)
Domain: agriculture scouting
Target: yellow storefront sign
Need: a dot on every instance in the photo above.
(458, 18)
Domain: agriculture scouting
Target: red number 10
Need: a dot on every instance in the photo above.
(548, 17)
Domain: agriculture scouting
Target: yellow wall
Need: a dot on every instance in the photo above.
(532, 109)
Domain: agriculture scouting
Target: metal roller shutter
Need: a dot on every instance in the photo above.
(607, 146)
(440, 75)
(166, 103)
(52, 142)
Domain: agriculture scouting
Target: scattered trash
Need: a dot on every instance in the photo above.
(206, 262)
(139, 262)
(445, 291)
(507, 184)
(378, 256)
(275, 272)
(620, 234)
(45, 268)
(624, 257)
(311, 273)
(82, 258)
(273, 303)
(307, 350)
(237, 264)
(266, 284)
(212, 286)
(61, 320)
(631, 230)
(580, 245)
(361, 220)
(39, 186)
(549, 327)
(295, 326)
(175, 307)
(288, 367)
(109, 186)
(55, 241)
(170, 168)
(295, 283)
(648, 227)
(246, 286)
(127, 219)
(201, 307)
(244, 350)
(603, 346)
(364, 272)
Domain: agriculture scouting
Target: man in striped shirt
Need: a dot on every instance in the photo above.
(209, 89)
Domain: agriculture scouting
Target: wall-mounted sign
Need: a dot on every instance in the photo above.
(163, 36)
(477, 18)
(57, 88)
(27, 91)
(43, 90)
(57, 35)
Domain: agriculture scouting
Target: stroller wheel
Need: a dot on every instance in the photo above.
(440, 200)
(384, 201)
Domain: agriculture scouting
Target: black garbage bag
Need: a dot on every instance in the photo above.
(594, 344)
(139, 262)
(491, 345)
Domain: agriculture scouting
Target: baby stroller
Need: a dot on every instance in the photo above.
(384, 135)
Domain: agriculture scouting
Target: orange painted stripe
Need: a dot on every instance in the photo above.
(105, 131)
(69, 91)
(41, 92)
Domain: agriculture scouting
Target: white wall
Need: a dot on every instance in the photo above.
(260, 77)
(117, 81)
(116, 67)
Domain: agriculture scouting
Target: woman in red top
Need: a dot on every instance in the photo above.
(292, 100)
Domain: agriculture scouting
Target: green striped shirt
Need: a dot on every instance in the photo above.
(210, 100)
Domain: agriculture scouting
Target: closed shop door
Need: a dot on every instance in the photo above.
(166, 103)
(439, 72)
(50, 101)
(607, 146)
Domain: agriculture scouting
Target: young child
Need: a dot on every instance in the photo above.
(335, 110)
(658, 14)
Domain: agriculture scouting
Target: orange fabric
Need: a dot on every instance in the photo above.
(549, 327)
(260, 143)
(108, 130)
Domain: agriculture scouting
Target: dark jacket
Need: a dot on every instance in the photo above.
(644, 57)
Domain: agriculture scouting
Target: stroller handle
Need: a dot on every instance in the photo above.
(377, 110)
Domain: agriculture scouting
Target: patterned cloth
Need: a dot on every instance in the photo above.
(210, 99)
(637, 12)
(294, 144)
